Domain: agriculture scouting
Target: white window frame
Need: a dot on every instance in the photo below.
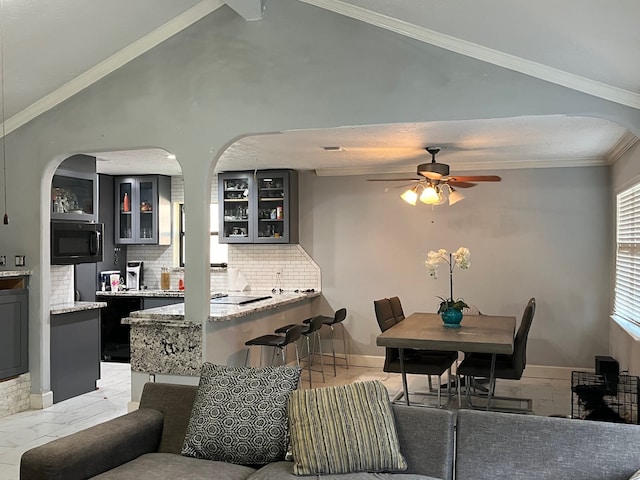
(626, 304)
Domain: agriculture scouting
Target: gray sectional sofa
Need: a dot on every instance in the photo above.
(146, 444)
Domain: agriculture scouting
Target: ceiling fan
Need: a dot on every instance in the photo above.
(436, 185)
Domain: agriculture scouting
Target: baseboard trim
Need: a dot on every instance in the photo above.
(531, 371)
(38, 401)
(552, 373)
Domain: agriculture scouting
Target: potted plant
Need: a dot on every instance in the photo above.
(449, 309)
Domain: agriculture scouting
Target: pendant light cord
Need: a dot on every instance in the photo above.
(4, 138)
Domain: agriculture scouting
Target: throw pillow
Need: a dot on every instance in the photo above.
(240, 414)
(344, 429)
(635, 476)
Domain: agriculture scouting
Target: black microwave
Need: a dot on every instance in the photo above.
(76, 242)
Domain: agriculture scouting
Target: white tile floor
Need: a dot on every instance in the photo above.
(20, 432)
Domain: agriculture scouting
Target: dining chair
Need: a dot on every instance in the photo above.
(311, 328)
(278, 342)
(507, 367)
(416, 362)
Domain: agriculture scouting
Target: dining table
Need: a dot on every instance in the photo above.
(492, 334)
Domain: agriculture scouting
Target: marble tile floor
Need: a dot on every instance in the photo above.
(25, 430)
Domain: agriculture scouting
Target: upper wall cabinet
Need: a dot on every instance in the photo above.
(74, 196)
(143, 210)
(258, 207)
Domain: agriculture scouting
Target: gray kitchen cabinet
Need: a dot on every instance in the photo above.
(74, 196)
(14, 327)
(75, 353)
(143, 210)
(258, 207)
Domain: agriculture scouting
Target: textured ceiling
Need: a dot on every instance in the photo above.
(54, 48)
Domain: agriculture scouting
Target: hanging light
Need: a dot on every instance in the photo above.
(410, 196)
(430, 195)
(455, 196)
(4, 140)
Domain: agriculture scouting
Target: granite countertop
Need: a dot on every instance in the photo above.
(15, 273)
(174, 314)
(142, 293)
(76, 307)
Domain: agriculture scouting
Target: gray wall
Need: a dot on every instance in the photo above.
(539, 233)
(299, 67)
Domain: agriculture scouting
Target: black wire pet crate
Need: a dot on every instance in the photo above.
(608, 398)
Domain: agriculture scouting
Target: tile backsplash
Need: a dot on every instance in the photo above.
(259, 264)
(61, 285)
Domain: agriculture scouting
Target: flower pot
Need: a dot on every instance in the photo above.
(452, 318)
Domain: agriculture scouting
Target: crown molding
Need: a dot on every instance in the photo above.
(627, 141)
(495, 57)
(107, 66)
(468, 166)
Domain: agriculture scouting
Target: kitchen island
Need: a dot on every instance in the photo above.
(166, 347)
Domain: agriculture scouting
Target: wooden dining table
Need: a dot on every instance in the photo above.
(477, 333)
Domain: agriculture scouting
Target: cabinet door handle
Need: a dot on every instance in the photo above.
(94, 247)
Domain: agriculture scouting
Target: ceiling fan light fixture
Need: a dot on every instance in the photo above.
(430, 195)
(410, 196)
(455, 196)
(434, 171)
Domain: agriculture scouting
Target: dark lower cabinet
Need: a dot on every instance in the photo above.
(14, 333)
(116, 342)
(75, 353)
(115, 345)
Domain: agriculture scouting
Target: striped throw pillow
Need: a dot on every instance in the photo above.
(343, 429)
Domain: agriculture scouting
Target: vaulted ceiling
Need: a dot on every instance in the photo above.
(54, 49)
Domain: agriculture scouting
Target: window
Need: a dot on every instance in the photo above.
(217, 251)
(627, 290)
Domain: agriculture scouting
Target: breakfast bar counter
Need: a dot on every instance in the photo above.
(169, 348)
(219, 312)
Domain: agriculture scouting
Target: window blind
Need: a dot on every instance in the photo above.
(627, 288)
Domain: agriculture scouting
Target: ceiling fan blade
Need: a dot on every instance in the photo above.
(475, 178)
(461, 184)
(392, 179)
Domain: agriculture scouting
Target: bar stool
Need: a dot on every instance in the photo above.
(279, 342)
(337, 318)
(311, 327)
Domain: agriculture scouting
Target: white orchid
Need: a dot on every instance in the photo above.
(461, 257)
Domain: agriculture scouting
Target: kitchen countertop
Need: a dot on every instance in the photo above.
(15, 273)
(76, 307)
(173, 315)
(142, 293)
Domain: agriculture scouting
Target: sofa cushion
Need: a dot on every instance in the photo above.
(170, 465)
(344, 429)
(240, 414)
(507, 446)
(284, 471)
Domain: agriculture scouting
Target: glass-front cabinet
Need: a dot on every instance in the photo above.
(258, 207)
(235, 192)
(74, 196)
(143, 210)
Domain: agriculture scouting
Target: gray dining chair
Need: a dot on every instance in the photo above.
(507, 367)
(416, 362)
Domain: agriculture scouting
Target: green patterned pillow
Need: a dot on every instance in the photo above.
(239, 414)
(344, 429)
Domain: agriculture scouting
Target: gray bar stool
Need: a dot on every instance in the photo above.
(337, 318)
(312, 327)
(279, 342)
